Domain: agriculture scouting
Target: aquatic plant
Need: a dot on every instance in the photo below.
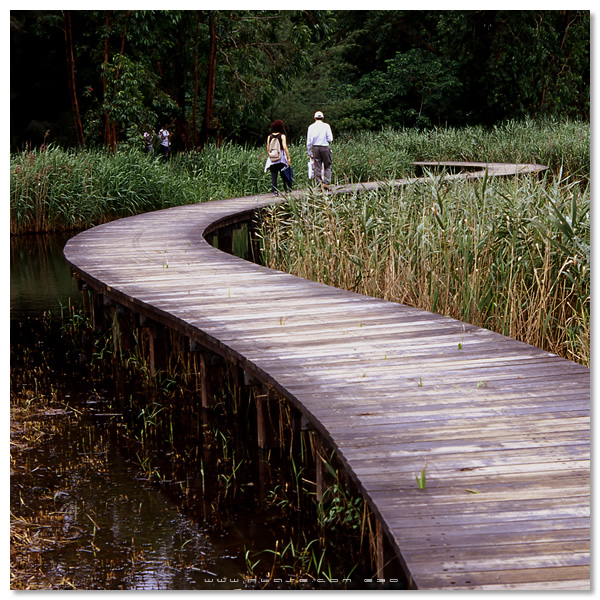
(422, 478)
(511, 255)
(55, 189)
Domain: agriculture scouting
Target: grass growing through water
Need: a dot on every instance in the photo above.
(511, 255)
(209, 462)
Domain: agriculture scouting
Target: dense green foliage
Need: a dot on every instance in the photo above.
(390, 153)
(54, 188)
(228, 74)
(510, 255)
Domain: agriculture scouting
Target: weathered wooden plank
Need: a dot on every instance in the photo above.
(502, 427)
(453, 493)
(505, 579)
(461, 546)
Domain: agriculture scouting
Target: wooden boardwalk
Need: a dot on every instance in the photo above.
(502, 428)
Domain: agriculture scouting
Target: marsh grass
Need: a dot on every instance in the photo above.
(389, 154)
(209, 462)
(511, 255)
(56, 189)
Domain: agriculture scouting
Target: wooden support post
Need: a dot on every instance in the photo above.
(97, 311)
(191, 361)
(267, 419)
(225, 240)
(122, 328)
(157, 344)
(156, 349)
(242, 386)
(177, 342)
(268, 423)
(211, 374)
(299, 422)
(379, 539)
(319, 467)
(88, 339)
(325, 474)
(254, 242)
(264, 474)
(261, 426)
(83, 287)
(205, 394)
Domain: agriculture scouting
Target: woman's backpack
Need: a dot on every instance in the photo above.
(275, 148)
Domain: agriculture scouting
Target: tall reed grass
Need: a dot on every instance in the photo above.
(511, 255)
(56, 189)
(389, 154)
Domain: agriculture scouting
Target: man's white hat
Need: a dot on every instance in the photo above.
(318, 115)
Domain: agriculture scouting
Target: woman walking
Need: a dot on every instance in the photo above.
(278, 155)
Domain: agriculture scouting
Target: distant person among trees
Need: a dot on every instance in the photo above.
(278, 156)
(148, 142)
(318, 137)
(164, 137)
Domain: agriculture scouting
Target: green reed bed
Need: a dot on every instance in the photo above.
(55, 189)
(511, 255)
(389, 154)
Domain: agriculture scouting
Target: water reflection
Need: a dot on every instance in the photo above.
(113, 530)
(81, 491)
(40, 278)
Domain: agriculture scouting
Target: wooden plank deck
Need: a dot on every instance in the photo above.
(503, 428)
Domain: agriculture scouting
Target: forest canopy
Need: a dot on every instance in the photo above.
(101, 78)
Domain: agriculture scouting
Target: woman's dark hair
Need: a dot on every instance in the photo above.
(277, 126)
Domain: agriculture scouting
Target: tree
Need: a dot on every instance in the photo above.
(417, 88)
(519, 63)
(211, 80)
(259, 54)
(71, 78)
(229, 73)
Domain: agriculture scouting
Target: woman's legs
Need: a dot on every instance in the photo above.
(274, 170)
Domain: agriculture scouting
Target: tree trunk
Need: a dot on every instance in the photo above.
(195, 105)
(211, 80)
(109, 128)
(71, 77)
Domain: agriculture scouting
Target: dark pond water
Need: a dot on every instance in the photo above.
(85, 509)
(40, 278)
(116, 531)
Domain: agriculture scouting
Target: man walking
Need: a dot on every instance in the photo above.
(317, 143)
(164, 137)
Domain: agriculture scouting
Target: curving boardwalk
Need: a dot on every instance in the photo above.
(503, 428)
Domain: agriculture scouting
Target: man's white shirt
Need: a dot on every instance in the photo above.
(319, 134)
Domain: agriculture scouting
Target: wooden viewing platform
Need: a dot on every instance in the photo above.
(502, 428)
